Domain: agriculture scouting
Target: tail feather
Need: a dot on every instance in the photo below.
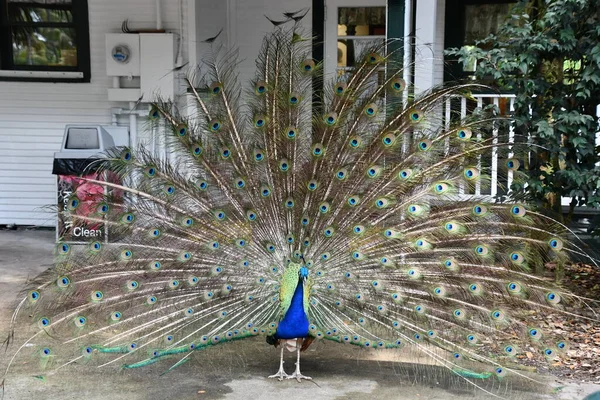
(367, 189)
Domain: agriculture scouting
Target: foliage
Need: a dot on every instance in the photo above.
(35, 43)
(548, 54)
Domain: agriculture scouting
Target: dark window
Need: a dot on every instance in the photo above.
(466, 22)
(46, 40)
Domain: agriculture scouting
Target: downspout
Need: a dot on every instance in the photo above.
(132, 126)
(133, 114)
(231, 23)
(159, 24)
(409, 46)
(179, 59)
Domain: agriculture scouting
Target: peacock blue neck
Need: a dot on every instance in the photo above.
(295, 322)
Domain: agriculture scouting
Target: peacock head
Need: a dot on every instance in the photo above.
(303, 273)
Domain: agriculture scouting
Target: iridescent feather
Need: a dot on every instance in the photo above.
(364, 188)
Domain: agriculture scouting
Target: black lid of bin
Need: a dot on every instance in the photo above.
(75, 166)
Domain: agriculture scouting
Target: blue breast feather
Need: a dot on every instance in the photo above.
(294, 323)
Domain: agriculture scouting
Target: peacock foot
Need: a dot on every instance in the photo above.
(280, 375)
(298, 376)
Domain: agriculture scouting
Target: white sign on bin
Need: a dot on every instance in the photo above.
(74, 165)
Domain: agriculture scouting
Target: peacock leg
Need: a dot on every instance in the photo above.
(281, 373)
(297, 375)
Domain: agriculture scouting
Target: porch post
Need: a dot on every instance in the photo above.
(395, 27)
(318, 49)
(425, 44)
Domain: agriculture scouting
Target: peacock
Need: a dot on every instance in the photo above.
(304, 208)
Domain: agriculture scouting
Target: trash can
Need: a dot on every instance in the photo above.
(78, 160)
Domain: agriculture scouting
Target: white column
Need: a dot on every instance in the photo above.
(425, 43)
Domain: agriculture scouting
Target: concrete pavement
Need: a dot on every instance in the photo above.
(237, 370)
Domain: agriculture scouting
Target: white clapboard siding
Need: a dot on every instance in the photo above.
(245, 26)
(33, 114)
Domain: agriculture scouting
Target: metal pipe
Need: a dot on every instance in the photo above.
(179, 58)
(231, 23)
(124, 111)
(408, 46)
(132, 126)
(159, 24)
(133, 114)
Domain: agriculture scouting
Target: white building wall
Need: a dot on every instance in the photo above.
(33, 114)
(244, 26)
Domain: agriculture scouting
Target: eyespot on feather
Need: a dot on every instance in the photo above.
(552, 298)
(517, 258)
(260, 121)
(330, 118)
(482, 250)
(181, 129)
(512, 164)
(514, 288)
(284, 165)
(518, 210)
(260, 88)
(225, 152)
(154, 113)
(374, 171)
(425, 145)
(294, 99)
(471, 173)
(328, 231)
(341, 174)
(197, 150)
(475, 288)
(451, 264)
(556, 244)
(259, 155)
(373, 58)
(215, 125)
(464, 134)
(318, 150)
(479, 210)
(389, 139)
(498, 315)
(126, 155)
(370, 110)
(340, 88)
(216, 88)
(308, 65)
(291, 132)
(415, 116)
(265, 191)
(355, 142)
(397, 86)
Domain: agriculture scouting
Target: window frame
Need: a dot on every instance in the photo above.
(42, 73)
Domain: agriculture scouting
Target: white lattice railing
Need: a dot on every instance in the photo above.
(509, 104)
(482, 100)
(506, 102)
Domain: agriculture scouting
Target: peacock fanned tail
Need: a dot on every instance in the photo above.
(361, 184)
